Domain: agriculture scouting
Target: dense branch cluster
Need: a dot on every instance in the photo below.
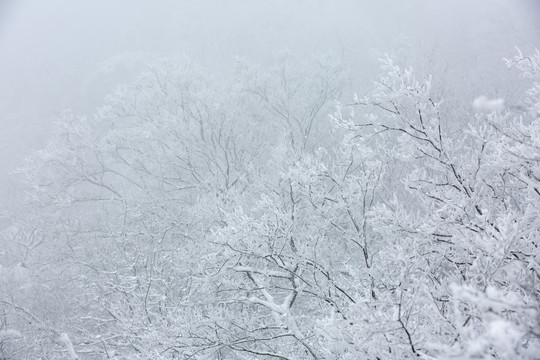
(193, 218)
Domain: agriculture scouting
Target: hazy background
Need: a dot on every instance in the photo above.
(59, 54)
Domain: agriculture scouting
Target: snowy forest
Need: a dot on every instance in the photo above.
(285, 203)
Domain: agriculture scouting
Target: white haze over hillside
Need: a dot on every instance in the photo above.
(63, 54)
(269, 179)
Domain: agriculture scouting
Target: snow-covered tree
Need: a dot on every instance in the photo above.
(466, 221)
(125, 202)
(198, 218)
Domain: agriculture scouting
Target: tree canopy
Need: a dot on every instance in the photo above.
(196, 217)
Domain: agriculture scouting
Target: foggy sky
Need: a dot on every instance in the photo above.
(60, 54)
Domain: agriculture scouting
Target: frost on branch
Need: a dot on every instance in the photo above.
(529, 66)
(205, 220)
(467, 217)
